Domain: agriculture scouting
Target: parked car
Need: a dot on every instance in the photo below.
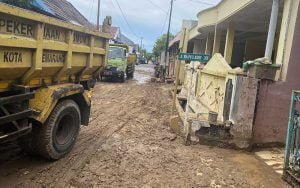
(142, 61)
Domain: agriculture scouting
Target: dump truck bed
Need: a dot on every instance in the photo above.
(38, 50)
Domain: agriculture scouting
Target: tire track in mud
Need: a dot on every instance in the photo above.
(129, 145)
(96, 135)
(108, 133)
(61, 171)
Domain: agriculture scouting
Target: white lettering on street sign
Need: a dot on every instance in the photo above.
(194, 57)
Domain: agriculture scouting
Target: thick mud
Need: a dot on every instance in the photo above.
(129, 144)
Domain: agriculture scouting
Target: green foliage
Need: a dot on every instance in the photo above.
(148, 56)
(19, 3)
(160, 44)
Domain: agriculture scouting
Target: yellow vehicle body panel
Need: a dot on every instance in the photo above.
(46, 98)
(132, 59)
(38, 50)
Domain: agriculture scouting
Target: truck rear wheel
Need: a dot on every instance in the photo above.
(58, 135)
(130, 75)
(122, 78)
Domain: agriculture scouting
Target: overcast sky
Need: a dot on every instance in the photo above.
(145, 18)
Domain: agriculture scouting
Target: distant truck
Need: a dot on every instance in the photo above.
(47, 70)
(120, 63)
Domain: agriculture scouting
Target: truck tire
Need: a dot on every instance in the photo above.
(131, 75)
(58, 135)
(26, 141)
(122, 78)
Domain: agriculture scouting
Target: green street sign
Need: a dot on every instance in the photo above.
(194, 57)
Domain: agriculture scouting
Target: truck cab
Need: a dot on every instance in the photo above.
(119, 63)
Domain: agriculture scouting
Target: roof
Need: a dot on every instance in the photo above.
(113, 31)
(250, 18)
(118, 36)
(61, 9)
(126, 40)
(66, 11)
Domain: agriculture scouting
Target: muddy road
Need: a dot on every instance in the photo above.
(129, 144)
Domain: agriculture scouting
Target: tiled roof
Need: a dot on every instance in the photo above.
(118, 36)
(113, 31)
(66, 11)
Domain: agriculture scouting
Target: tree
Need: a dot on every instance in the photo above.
(19, 3)
(160, 45)
(148, 56)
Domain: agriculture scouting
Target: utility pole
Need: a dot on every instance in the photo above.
(98, 16)
(141, 47)
(168, 34)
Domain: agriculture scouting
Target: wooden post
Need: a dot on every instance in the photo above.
(183, 45)
(229, 43)
(217, 40)
(176, 86)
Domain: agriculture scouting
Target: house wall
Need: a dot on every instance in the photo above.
(272, 111)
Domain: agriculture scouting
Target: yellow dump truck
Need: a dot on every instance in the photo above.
(47, 70)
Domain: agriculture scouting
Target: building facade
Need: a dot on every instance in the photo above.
(233, 32)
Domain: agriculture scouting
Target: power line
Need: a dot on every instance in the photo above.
(126, 19)
(119, 20)
(165, 22)
(157, 6)
(91, 9)
(115, 18)
(201, 2)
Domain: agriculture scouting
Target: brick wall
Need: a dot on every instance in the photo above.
(274, 100)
